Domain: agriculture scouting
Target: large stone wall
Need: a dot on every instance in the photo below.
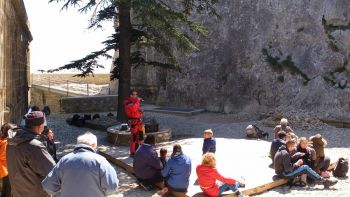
(263, 55)
(14, 60)
(42, 96)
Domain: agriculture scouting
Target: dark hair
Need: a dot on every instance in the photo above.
(132, 91)
(163, 151)
(46, 131)
(177, 148)
(281, 134)
(35, 108)
(150, 139)
(5, 128)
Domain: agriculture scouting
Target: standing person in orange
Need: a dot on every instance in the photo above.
(134, 114)
(6, 187)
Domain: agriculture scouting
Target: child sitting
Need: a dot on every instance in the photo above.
(163, 152)
(207, 176)
(209, 143)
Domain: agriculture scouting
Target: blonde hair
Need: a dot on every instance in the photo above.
(209, 160)
(208, 131)
(302, 139)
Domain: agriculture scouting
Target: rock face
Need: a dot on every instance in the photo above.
(263, 55)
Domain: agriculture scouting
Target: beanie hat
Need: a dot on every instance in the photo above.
(34, 118)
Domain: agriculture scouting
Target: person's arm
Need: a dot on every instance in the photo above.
(287, 163)
(52, 182)
(39, 160)
(223, 179)
(108, 178)
(205, 146)
(167, 167)
(213, 146)
(155, 162)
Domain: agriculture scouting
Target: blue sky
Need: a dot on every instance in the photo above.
(61, 36)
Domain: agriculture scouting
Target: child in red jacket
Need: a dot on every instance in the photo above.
(207, 176)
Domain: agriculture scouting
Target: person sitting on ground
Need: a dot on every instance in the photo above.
(50, 142)
(6, 187)
(322, 161)
(285, 168)
(163, 152)
(277, 143)
(177, 173)
(209, 142)
(82, 172)
(27, 158)
(208, 175)
(283, 126)
(147, 166)
(308, 154)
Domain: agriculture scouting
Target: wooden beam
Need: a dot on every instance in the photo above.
(118, 162)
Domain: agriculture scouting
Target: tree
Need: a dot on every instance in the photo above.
(161, 25)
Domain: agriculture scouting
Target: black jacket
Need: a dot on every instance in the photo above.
(275, 145)
(28, 163)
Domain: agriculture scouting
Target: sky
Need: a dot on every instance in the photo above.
(62, 36)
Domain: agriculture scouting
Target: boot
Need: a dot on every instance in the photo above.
(328, 182)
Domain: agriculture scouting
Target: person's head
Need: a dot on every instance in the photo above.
(163, 152)
(209, 160)
(284, 122)
(150, 139)
(282, 135)
(303, 142)
(35, 108)
(208, 133)
(291, 145)
(177, 150)
(288, 137)
(88, 139)
(35, 121)
(133, 94)
(48, 133)
(5, 128)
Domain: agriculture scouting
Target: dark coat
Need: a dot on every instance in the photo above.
(28, 163)
(283, 161)
(146, 163)
(209, 145)
(275, 145)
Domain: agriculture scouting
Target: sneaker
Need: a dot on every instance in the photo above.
(238, 193)
(325, 174)
(328, 182)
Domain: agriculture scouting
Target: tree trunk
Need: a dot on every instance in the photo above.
(124, 55)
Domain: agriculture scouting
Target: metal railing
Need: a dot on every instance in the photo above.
(71, 87)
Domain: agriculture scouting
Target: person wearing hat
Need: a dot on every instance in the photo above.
(27, 158)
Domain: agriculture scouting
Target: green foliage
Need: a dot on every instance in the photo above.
(163, 26)
(281, 65)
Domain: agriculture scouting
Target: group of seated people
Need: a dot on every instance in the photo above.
(173, 175)
(292, 156)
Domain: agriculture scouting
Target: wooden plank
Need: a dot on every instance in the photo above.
(118, 162)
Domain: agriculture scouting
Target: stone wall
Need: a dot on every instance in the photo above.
(41, 96)
(262, 56)
(89, 104)
(14, 60)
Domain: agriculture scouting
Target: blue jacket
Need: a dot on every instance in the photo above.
(146, 163)
(177, 172)
(209, 145)
(82, 173)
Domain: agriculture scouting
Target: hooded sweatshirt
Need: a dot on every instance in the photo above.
(283, 161)
(207, 177)
(178, 171)
(146, 163)
(28, 163)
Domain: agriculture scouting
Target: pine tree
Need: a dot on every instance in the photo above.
(160, 25)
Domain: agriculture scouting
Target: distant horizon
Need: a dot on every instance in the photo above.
(60, 37)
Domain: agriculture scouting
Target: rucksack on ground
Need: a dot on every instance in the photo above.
(260, 133)
(341, 168)
(300, 181)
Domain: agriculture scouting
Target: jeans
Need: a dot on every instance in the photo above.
(304, 169)
(226, 187)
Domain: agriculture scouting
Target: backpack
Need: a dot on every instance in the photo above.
(342, 168)
(260, 133)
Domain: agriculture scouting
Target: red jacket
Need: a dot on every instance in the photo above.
(132, 108)
(207, 177)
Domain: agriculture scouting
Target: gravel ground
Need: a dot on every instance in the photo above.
(227, 126)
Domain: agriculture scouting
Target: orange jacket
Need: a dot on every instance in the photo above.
(3, 163)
